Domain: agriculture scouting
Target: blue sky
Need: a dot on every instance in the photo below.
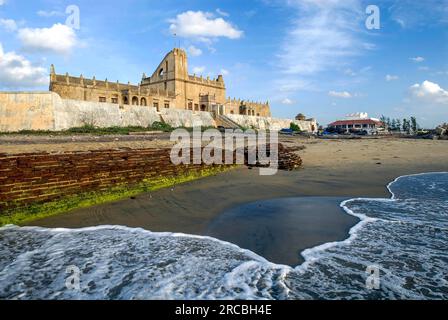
(311, 56)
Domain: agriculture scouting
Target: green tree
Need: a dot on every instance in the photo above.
(388, 123)
(294, 127)
(406, 126)
(398, 122)
(414, 125)
(393, 125)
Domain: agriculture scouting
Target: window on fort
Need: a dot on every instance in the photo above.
(135, 101)
(156, 105)
(190, 105)
(114, 100)
(258, 114)
(103, 99)
(231, 112)
(125, 100)
(161, 73)
(143, 102)
(196, 107)
(167, 105)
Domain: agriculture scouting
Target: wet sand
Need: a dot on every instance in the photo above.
(281, 229)
(333, 168)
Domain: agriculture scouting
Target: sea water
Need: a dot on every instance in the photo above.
(403, 239)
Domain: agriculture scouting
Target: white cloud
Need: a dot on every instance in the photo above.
(287, 101)
(322, 37)
(343, 94)
(203, 26)
(8, 24)
(417, 59)
(57, 39)
(194, 52)
(400, 22)
(411, 14)
(430, 91)
(2, 2)
(222, 13)
(391, 78)
(350, 72)
(198, 70)
(17, 72)
(48, 14)
(224, 72)
(423, 68)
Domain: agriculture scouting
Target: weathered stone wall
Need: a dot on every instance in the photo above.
(27, 111)
(264, 123)
(186, 118)
(36, 178)
(73, 113)
(47, 111)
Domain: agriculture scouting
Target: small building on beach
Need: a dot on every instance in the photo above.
(358, 122)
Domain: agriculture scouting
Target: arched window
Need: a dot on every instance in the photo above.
(125, 100)
(143, 102)
(161, 72)
(203, 107)
(135, 101)
(231, 112)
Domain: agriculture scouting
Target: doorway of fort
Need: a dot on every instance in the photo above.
(135, 101)
(125, 100)
(143, 102)
(203, 107)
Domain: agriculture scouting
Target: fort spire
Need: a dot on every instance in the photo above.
(52, 73)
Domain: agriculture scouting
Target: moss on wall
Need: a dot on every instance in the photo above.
(87, 199)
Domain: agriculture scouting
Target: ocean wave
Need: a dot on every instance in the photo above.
(405, 237)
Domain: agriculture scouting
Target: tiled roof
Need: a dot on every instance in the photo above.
(355, 122)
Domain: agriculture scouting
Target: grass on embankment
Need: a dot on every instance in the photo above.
(88, 199)
(92, 130)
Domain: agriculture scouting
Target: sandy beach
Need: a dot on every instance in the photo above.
(332, 168)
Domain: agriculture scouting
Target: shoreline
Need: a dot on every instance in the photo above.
(190, 208)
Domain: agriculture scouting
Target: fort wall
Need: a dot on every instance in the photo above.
(267, 123)
(47, 111)
(27, 111)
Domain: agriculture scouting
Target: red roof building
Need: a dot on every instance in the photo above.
(364, 123)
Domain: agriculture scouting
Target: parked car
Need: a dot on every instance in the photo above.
(287, 132)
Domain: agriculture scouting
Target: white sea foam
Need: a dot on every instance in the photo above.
(406, 236)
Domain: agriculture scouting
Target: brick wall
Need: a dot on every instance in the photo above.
(42, 177)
